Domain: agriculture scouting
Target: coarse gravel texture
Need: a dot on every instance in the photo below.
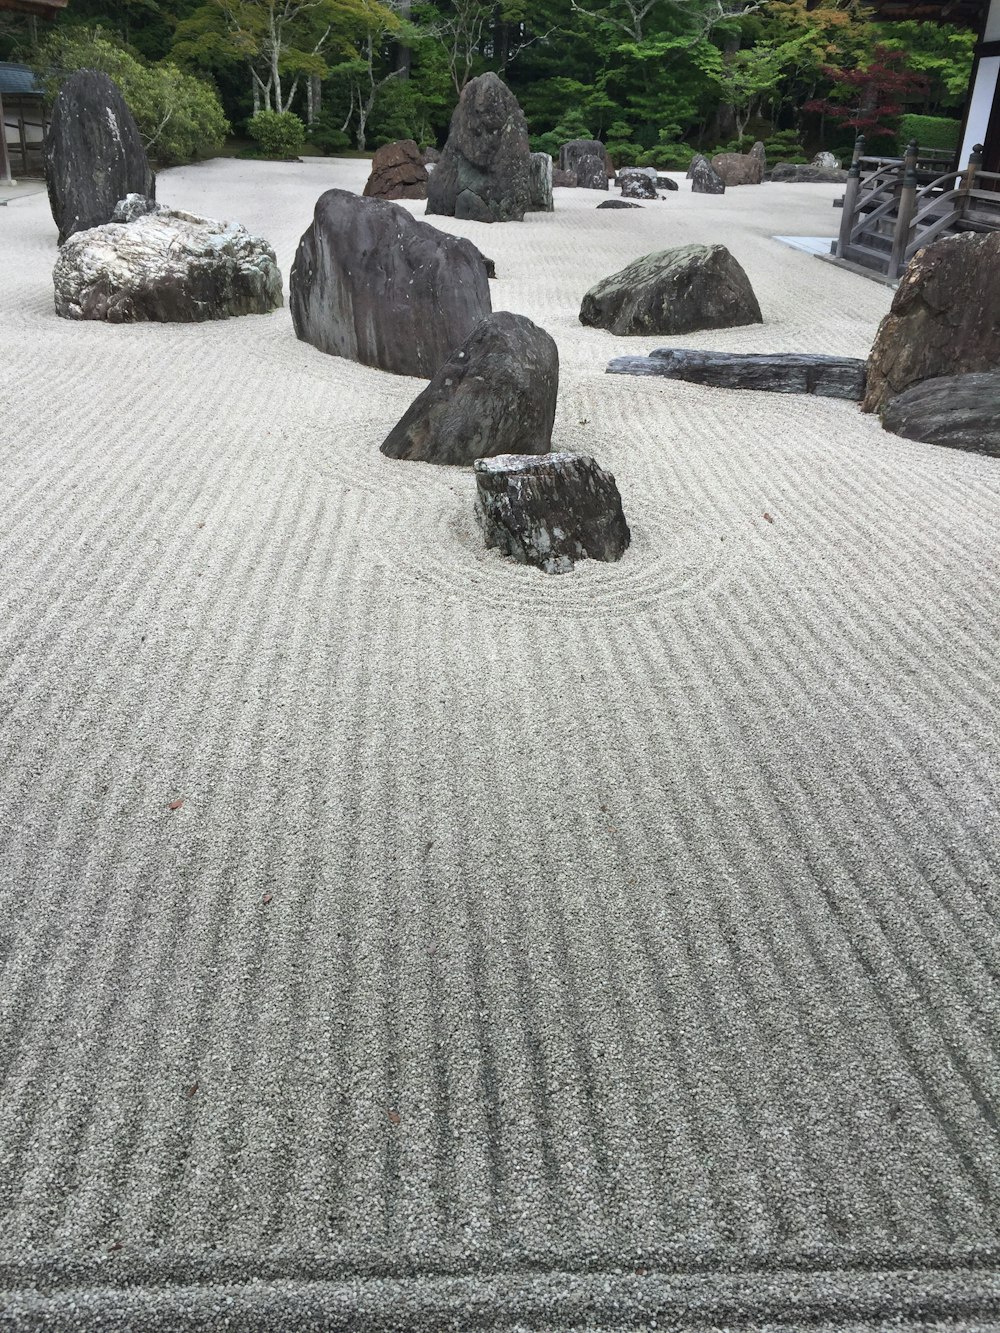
(609, 951)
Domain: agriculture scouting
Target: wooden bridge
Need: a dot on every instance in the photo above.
(893, 207)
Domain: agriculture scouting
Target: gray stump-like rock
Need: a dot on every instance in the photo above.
(571, 153)
(484, 170)
(943, 319)
(591, 172)
(760, 152)
(705, 179)
(693, 164)
(550, 511)
(165, 266)
(373, 284)
(739, 168)
(94, 154)
(775, 372)
(959, 411)
(398, 172)
(540, 183)
(496, 394)
(635, 183)
(674, 291)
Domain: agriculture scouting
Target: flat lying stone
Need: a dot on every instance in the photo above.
(774, 372)
(496, 394)
(958, 411)
(165, 266)
(550, 511)
(618, 203)
(795, 173)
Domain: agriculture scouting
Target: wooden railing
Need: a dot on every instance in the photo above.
(893, 207)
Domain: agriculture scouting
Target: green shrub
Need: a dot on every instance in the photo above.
(179, 116)
(668, 156)
(277, 133)
(570, 126)
(327, 135)
(937, 132)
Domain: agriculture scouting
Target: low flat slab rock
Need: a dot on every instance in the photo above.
(957, 411)
(776, 372)
(165, 266)
(618, 203)
(550, 511)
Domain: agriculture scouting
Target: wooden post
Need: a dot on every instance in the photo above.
(859, 149)
(904, 217)
(969, 179)
(850, 206)
(5, 177)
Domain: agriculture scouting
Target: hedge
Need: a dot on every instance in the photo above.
(930, 132)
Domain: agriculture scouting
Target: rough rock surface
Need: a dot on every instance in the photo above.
(960, 411)
(826, 160)
(944, 318)
(667, 183)
(166, 266)
(571, 153)
(694, 164)
(540, 183)
(93, 154)
(705, 179)
(496, 394)
(550, 511)
(674, 291)
(483, 174)
(637, 184)
(795, 173)
(777, 372)
(398, 172)
(760, 152)
(373, 284)
(565, 179)
(591, 173)
(134, 206)
(430, 156)
(738, 168)
(618, 203)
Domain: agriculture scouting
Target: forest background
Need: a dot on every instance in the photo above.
(656, 80)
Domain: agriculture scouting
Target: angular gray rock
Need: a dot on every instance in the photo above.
(674, 291)
(496, 394)
(564, 179)
(550, 511)
(760, 152)
(667, 183)
(591, 173)
(483, 174)
(943, 319)
(618, 203)
(166, 266)
(705, 179)
(958, 411)
(774, 372)
(637, 184)
(739, 168)
(134, 206)
(572, 152)
(695, 161)
(540, 183)
(94, 155)
(373, 284)
(398, 172)
(795, 173)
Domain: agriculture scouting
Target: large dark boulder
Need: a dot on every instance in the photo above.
(944, 318)
(739, 168)
(373, 284)
(166, 266)
(94, 154)
(496, 394)
(960, 411)
(398, 172)
(774, 372)
(591, 172)
(705, 179)
(637, 183)
(572, 152)
(674, 291)
(551, 510)
(540, 183)
(484, 171)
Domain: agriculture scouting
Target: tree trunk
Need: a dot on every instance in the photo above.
(404, 56)
(725, 116)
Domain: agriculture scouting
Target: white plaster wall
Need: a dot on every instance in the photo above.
(982, 100)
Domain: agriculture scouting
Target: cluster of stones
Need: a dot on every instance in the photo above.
(123, 258)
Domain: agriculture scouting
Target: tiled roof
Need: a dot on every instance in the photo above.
(18, 79)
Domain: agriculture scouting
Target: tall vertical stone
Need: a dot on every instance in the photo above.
(484, 172)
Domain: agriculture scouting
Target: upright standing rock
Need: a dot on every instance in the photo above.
(695, 162)
(483, 174)
(496, 394)
(571, 153)
(373, 284)
(944, 318)
(550, 511)
(674, 291)
(760, 152)
(93, 154)
(540, 183)
(705, 179)
(398, 172)
(591, 172)
(739, 168)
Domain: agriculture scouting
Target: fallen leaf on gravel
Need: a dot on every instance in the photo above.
(394, 1116)
(176, 805)
(116, 1245)
(190, 1090)
(768, 518)
(267, 897)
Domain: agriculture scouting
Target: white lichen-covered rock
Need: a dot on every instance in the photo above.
(135, 206)
(550, 510)
(167, 266)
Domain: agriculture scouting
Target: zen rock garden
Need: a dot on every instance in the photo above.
(372, 283)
